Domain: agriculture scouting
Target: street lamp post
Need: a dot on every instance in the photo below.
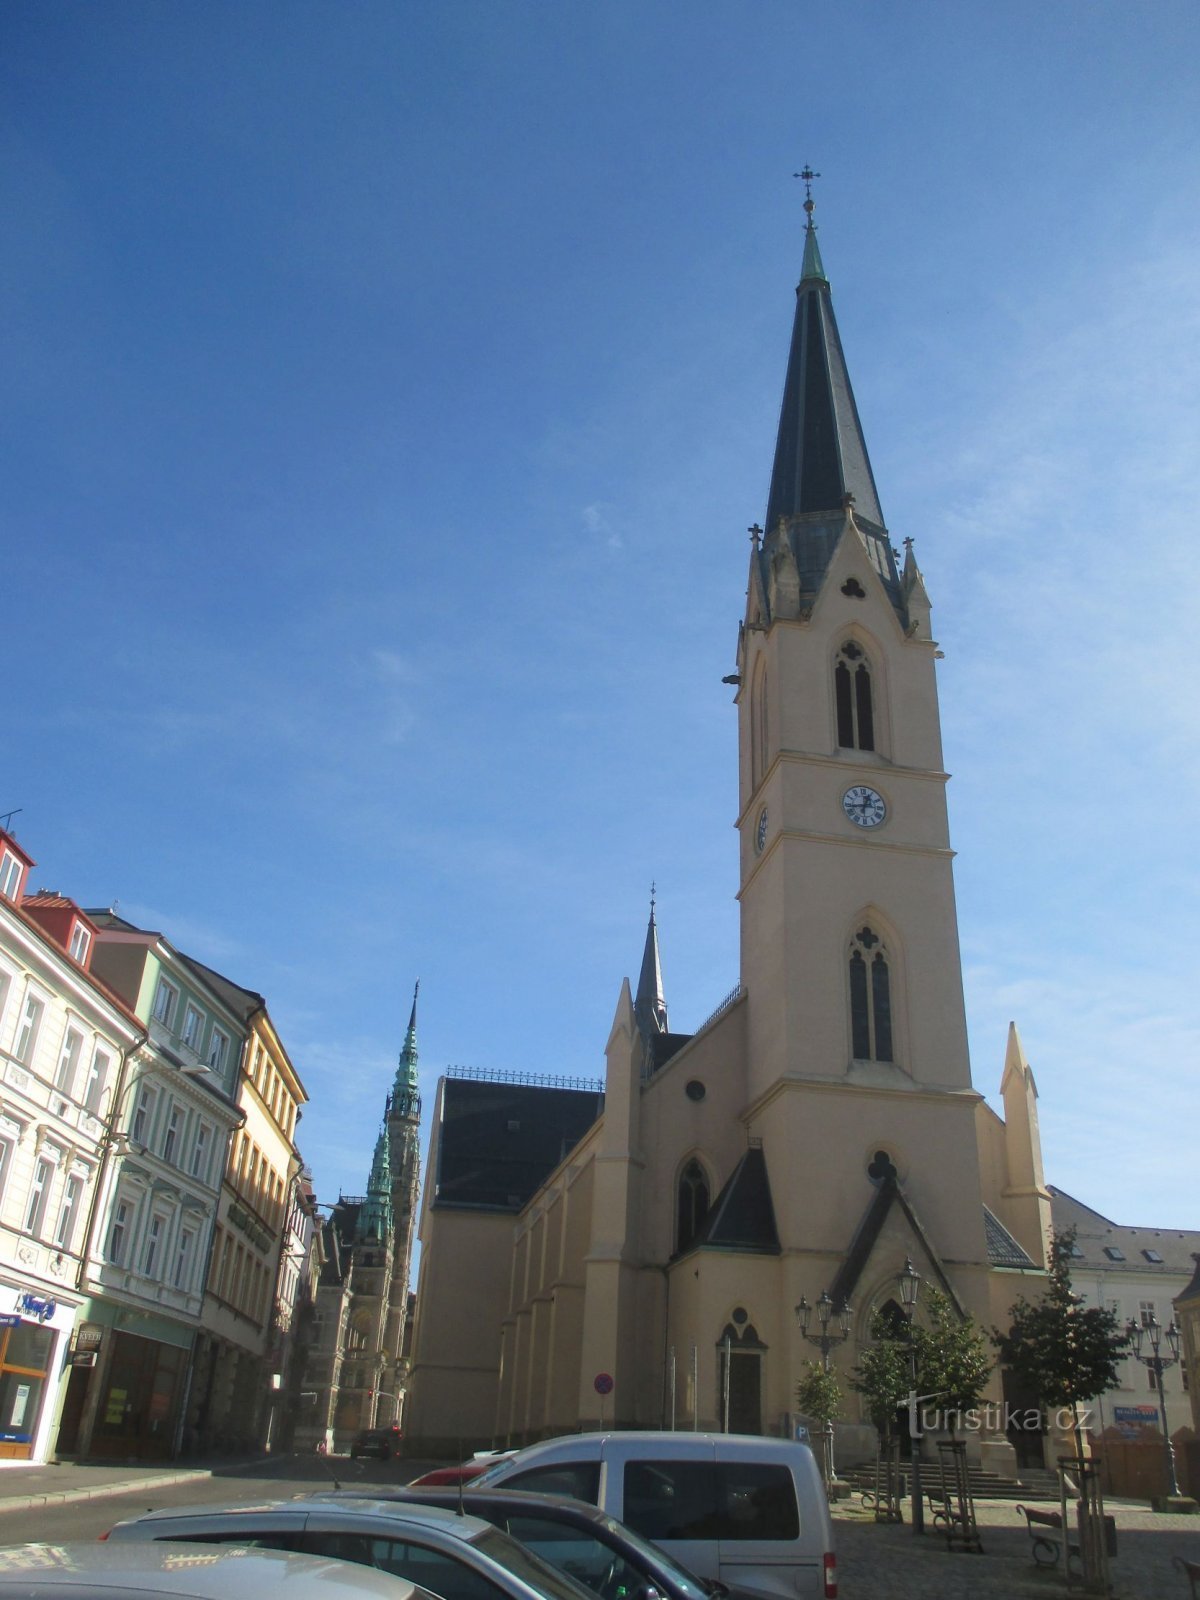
(910, 1285)
(825, 1341)
(1158, 1364)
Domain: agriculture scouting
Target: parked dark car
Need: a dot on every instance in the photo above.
(581, 1540)
(382, 1443)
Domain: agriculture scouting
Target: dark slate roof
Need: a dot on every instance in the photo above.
(1003, 1250)
(665, 1045)
(499, 1142)
(820, 452)
(743, 1215)
(244, 1003)
(1096, 1234)
(887, 1194)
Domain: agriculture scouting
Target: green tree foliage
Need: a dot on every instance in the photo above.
(953, 1361)
(1059, 1349)
(819, 1394)
(883, 1375)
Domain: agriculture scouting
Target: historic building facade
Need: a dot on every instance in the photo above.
(822, 1126)
(357, 1369)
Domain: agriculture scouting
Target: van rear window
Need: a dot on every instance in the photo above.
(579, 1479)
(735, 1501)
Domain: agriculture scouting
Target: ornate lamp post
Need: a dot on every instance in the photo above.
(1158, 1364)
(825, 1342)
(910, 1287)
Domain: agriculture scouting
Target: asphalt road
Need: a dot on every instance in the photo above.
(279, 1478)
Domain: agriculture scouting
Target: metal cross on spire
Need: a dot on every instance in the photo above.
(807, 176)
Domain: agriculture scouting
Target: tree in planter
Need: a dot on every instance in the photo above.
(1061, 1350)
(953, 1362)
(819, 1396)
(883, 1375)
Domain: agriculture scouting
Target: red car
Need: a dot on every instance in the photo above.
(463, 1472)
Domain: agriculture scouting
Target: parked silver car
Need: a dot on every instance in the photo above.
(179, 1571)
(457, 1557)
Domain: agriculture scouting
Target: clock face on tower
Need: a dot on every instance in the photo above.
(864, 807)
(760, 835)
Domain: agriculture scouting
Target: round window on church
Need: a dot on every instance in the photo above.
(881, 1167)
(695, 1090)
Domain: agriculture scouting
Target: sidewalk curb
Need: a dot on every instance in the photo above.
(101, 1491)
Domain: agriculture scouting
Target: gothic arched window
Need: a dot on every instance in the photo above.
(870, 998)
(691, 1208)
(854, 697)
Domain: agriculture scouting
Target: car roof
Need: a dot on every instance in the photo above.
(561, 1506)
(197, 1571)
(435, 1519)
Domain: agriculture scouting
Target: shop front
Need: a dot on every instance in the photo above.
(127, 1387)
(33, 1330)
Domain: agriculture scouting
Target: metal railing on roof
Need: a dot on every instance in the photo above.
(537, 1080)
(734, 995)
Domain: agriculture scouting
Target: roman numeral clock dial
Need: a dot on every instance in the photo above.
(865, 807)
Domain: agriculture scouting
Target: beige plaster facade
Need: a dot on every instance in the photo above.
(827, 1113)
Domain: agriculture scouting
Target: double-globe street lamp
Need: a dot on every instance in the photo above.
(1158, 1364)
(910, 1287)
(825, 1340)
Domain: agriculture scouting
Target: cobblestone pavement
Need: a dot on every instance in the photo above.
(880, 1562)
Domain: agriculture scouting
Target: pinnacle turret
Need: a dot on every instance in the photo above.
(375, 1220)
(649, 1006)
(406, 1096)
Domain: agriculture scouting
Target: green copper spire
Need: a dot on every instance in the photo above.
(406, 1096)
(375, 1218)
(813, 266)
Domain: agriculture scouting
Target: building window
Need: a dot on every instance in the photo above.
(193, 1022)
(1113, 1254)
(870, 998)
(27, 1033)
(93, 1089)
(5, 986)
(183, 1258)
(154, 1238)
(200, 1152)
(174, 1128)
(164, 1002)
(1145, 1312)
(69, 1211)
(1153, 1257)
(7, 1145)
(10, 875)
(218, 1048)
(39, 1189)
(691, 1206)
(81, 938)
(143, 1114)
(855, 703)
(68, 1060)
(118, 1232)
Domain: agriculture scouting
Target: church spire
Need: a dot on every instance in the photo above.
(649, 1007)
(820, 452)
(406, 1098)
(375, 1219)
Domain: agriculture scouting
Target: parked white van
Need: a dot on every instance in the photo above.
(748, 1511)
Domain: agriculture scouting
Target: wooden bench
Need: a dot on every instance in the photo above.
(1191, 1571)
(1045, 1529)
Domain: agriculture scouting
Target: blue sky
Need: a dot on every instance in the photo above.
(388, 388)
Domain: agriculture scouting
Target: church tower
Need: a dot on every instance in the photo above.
(856, 1041)
(403, 1121)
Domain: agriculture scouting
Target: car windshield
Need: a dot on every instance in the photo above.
(658, 1560)
(529, 1568)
